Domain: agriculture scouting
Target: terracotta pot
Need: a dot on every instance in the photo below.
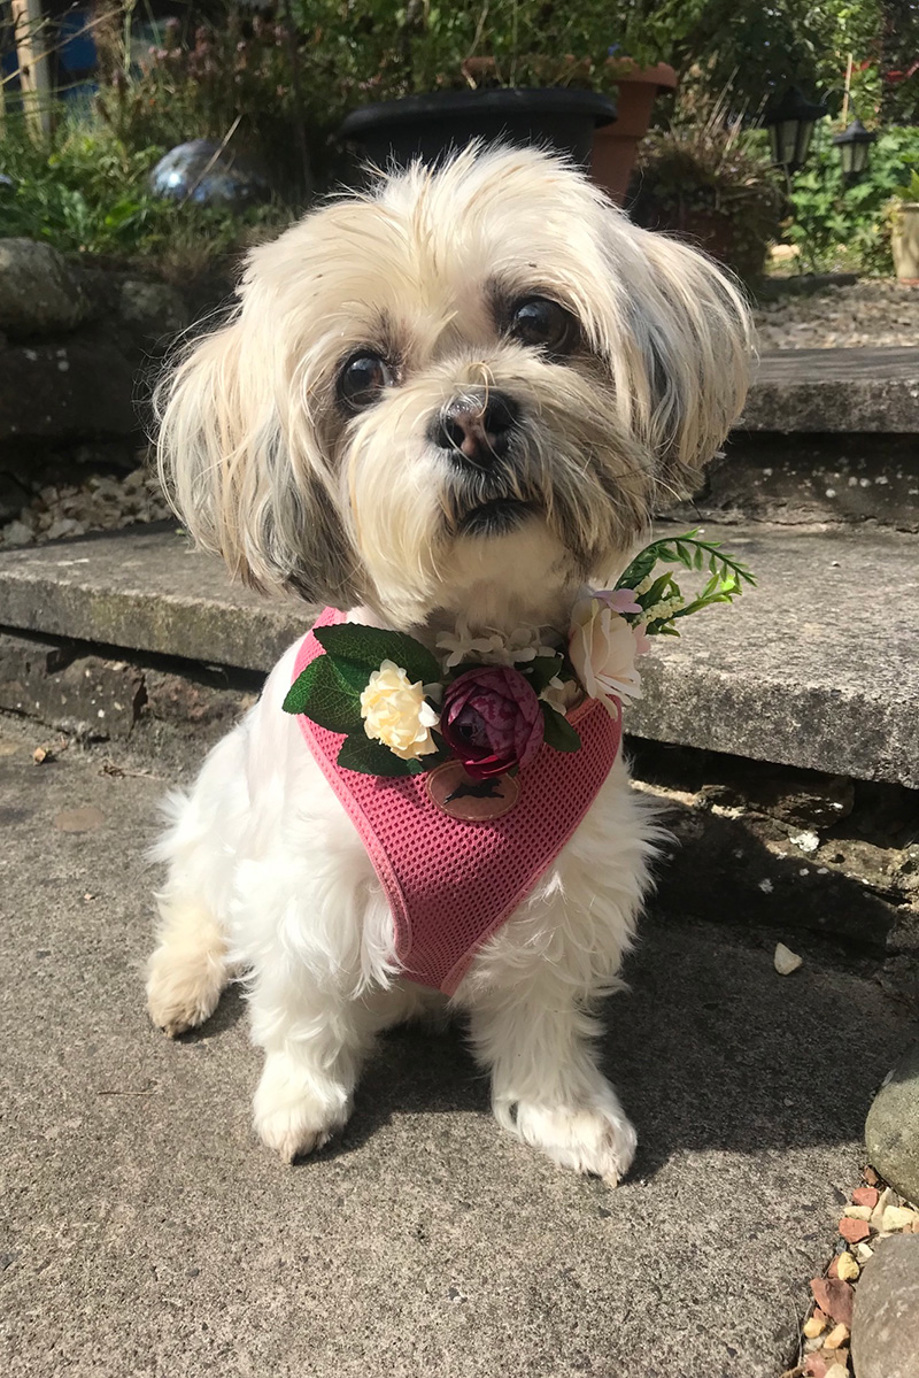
(904, 241)
(615, 146)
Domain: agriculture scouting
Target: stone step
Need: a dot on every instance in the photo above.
(145, 589)
(815, 668)
(808, 479)
(843, 391)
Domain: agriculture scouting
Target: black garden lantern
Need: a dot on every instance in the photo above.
(790, 122)
(854, 151)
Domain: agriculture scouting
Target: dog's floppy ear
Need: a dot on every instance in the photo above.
(244, 487)
(687, 367)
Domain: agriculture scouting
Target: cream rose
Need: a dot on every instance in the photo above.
(395, 713)
(603, 647)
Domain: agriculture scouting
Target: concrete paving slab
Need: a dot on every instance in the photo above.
(146, 589)
(839, 390)
(815, 668)
(145, 1232)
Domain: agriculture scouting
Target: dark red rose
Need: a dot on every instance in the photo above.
(491, 719)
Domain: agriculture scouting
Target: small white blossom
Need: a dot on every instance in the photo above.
(521, 645)
(663, 610)
(556, 694)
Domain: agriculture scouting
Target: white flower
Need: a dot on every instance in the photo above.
(463, 646)
(603, 647)
(521, 645)
(395, 713)
(558, 695)
(663, 612)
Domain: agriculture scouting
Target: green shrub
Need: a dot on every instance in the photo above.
(240, 74)
(85, 192)
(713, 183)
(837, 226)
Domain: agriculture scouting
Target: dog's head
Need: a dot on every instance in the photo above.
(467, 387)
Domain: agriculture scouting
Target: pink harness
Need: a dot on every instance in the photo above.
(451, 883)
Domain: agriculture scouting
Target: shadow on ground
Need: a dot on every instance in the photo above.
(710, 1049)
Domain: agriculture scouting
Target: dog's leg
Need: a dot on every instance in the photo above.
(188, 970)
(315, 1040)
(537, 1039)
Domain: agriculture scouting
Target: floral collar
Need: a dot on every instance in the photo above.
(491, 701)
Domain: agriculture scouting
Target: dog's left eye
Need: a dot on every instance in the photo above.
(544, 324)
(362, 380)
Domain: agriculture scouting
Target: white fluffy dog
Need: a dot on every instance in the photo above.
(456, 397)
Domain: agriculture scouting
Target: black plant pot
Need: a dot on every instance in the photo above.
(397, 131)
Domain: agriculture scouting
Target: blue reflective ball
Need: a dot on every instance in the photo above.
(200, 171)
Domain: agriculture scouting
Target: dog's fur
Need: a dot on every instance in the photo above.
(366, 512)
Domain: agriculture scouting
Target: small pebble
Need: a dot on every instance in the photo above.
(871, 1176)
(863, 1252)
(835, 1297)
(854, 1230)
(866, 1196)
(837, 1336)
(846, 1267)
(815, 1325)
(885, 1199)
(837, 1371)
(858, 1212)
(898, 1218)
(785, 961)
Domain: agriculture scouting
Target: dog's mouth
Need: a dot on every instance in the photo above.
(495, 518)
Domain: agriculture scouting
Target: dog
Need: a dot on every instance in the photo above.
(450, 401)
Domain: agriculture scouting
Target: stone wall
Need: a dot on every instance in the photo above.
(78, 345)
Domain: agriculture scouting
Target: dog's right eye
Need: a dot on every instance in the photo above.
(362, 380)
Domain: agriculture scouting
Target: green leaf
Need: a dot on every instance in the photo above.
(373, 758)
(663, 587)
(639, 569)
(368, 647)
(559, 734)
(321, 696)
(352, 678)
(540, 671)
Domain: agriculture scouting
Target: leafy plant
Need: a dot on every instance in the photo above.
(909, 191)
(708, 178)
(727, 576)
(837, 225)
(85, 191)
(239, 74)
(390, 48)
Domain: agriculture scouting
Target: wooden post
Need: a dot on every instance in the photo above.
(33, 64)
(845, 97)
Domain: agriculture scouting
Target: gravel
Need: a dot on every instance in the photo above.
(874, 312)
(102, 502)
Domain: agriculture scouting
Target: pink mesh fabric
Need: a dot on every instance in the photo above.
(450, 883)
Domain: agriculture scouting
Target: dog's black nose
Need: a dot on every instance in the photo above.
(477, 430)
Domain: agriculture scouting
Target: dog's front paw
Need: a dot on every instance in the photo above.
(296, 1111)
(595, 1138)
(183, 988)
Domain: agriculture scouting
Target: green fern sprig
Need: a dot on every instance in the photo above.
(727, 577)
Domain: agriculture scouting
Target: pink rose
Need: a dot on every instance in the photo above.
(491, 720)
(602, 648)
